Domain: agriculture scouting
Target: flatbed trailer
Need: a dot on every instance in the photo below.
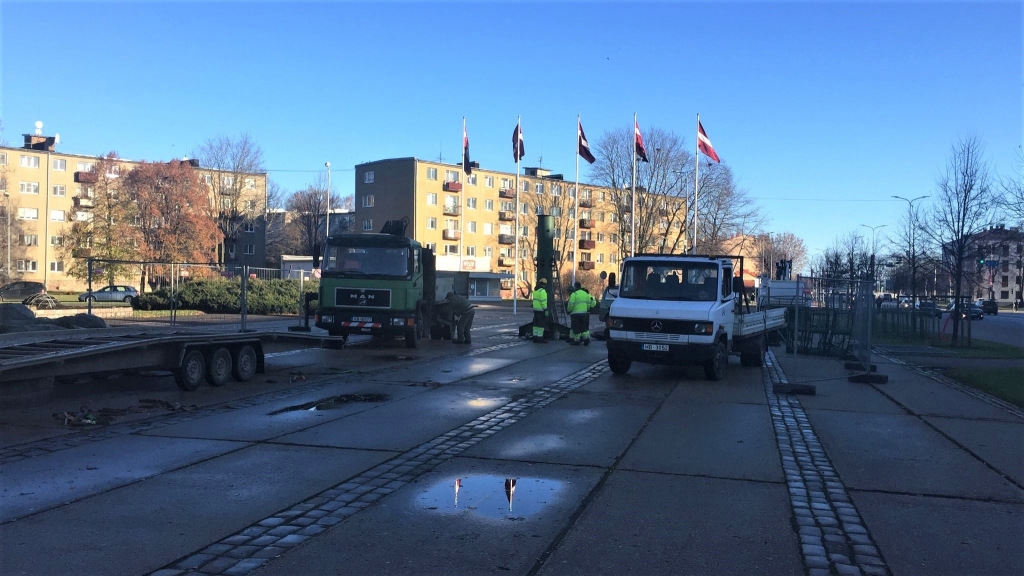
(194, 356)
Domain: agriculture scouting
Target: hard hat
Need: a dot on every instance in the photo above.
(542, 281)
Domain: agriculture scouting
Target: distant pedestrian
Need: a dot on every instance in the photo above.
(540, 311)
(580, 304)
(464, 311)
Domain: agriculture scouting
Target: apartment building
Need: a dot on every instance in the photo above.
(44, 191)
(1000, 267)
(469, 221)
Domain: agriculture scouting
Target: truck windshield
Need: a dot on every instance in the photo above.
(367, 261)
(683, 281)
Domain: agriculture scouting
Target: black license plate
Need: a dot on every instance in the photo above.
(363, 297)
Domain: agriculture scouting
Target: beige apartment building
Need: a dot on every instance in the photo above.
(469, 221)
(44, 191)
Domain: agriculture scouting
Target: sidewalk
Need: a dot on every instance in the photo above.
(937, 474)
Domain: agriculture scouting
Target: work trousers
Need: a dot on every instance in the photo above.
(540, 321)
(579, 326)
(464, 325)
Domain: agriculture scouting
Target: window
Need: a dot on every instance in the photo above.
(558, 233)
(613, 238)
(27, 266)
(470, 250)
(471, 226)
(431, 223)
(367, 224)
(524, 208)
(538, 209)
(556, 189)
(368, 199)
(59, 190)
(249, 227)
(450, 200)
(432, 199)
(451, 249)
(1006, 281)
(613, 217)
(3, 158)
(250, 249)
(600, 236)
(250, 182)
(586, 194)
(368, 177)
(56, 240)
(3, 185)
(451, 175)
(227, 181)
(208, 179)
(489, 181)
(507, 206)
(86, 216)
(600, 215)
(1004, 295)
(506, 184)
(471, 179)
(505, 229)
(57, 215)
(231, 250)
(85, 166)
(572, 191)
(538, 187)
(28, 214)
(525, 186)
(488, 251)
(29, 240)
(524, 231)
(59, 165)
(225, 203)
(28, 187)
(29, 161)
(430, 246)
(431, 173)
(556, 211)
(613, 259)
(600, 257)
(57, 266)
(488, 228)
(451, 224)
(489, 205)
(471, 203)
(250, 204)
(113, 171)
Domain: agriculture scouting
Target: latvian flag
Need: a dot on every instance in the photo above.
(584, 146)
(640, 150)
(704, 145)
(518, 149)
(465, 149)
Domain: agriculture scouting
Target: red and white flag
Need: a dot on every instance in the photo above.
(518, 149)
(465, 149)
(584, 146)
(704, 144)
(640, 150)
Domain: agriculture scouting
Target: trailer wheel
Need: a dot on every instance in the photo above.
(218, 367)
(714, 369)
(192, 371)
(619, 364)
(244, 366)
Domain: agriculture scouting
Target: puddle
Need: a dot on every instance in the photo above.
(491, 496)
(332, 402)
(394, 357)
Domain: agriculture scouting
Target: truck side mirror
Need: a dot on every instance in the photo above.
(611, 280)
(737, 284)
(317, 249)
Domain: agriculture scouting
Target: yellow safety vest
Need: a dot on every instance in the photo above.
(540, 299)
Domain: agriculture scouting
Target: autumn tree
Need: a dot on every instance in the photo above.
(962, 209)
(108, 232)
(768, 248)
(238, 197)
(308, 209)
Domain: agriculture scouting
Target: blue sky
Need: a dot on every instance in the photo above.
(823, 110)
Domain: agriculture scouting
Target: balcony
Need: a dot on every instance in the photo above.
(586, 223)
(453, 186)
(83, 202)
(586, 265)
(451, 210)
(586, 203)
(506, 193)
(587, 244)
(506, 239)
(507, 216)
(86, 177)
(451, 235)
(506, 261)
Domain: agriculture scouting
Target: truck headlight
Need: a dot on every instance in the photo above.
(327, 319)
(397, 321)
(615, 323)
(703, 328)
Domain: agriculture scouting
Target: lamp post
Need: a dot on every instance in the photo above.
(913, 241)
(7, 217)
(327, 233)
(874, 229)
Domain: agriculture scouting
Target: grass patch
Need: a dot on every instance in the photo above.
(1004, 383)
(978, 349)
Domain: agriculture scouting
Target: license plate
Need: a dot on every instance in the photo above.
(656, 347)
(362, 319)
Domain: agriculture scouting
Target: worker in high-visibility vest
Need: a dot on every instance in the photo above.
(579, 306)
(540, 311)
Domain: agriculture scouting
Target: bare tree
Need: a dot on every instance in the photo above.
(237, 197)
(770, 248)
(910, 248)
(309, 208)
(1012, 201)
(961, 210)
(557, 199)
(724, 210)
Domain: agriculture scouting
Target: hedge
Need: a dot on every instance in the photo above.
(223, 296)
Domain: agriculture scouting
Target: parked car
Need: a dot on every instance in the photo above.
(606, 303)
(20, 291)
(988, 306)
(973, 309)
(930, 309)
(110, 294)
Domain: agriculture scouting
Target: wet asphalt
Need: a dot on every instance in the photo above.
(506, 457)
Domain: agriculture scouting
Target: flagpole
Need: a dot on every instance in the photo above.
(515, 249)
(461, 191)
(576, 205)
(696, 179)
(632, 214)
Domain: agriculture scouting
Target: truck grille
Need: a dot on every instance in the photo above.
(639, 325)
(362, 297)
(655, 337)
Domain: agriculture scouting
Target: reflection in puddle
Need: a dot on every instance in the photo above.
(533, 444)
(491, 496)
(581, 416)
(479, 402)
(332, 402)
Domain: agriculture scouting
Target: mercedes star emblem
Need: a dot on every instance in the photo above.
(656, 325)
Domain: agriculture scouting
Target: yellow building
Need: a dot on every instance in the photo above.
(44, 191)
(469, 221)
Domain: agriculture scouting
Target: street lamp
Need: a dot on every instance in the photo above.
(874, 229)
(913, 241)
(328, 232)
(7, 217)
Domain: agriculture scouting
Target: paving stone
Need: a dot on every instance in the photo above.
(859, 538)
(194, 561)
(312, 530)
(219, 565)
(283, 531)
(812, 550)
(240, 552)
(235, 540)
(846, 570)
(303, 521)
(818, 572)
(264, 540)
(293, 540)
(270, 552)
(167, 572)
(329, 520)
(854, 529)
(865, 549)
(869, 560)
(874, 570)
(272, 522)
(816, 562)
(810, 531)
(840, 558)
(320, 512)
(217, 549)
(803, 521)
(835, 539)
(245, 566)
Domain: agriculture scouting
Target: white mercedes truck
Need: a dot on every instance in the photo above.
(686, 309)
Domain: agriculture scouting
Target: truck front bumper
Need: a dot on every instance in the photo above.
(346, 323)
(676, 355)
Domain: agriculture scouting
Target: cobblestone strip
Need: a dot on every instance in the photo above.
(833, 538)
(972, 392)
(271, 537)
(82, 437)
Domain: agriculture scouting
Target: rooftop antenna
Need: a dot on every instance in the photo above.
(440, 152)
(56, 138)
(39, 127)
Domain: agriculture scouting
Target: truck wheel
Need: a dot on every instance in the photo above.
(412, 334)
(714, 369)
(218, 367)
(192, 371)
(619, 364)
(243, 367)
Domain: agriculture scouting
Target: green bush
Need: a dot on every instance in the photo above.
(223, 296)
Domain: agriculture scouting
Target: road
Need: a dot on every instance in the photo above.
(509, 457)
(1006, 328)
